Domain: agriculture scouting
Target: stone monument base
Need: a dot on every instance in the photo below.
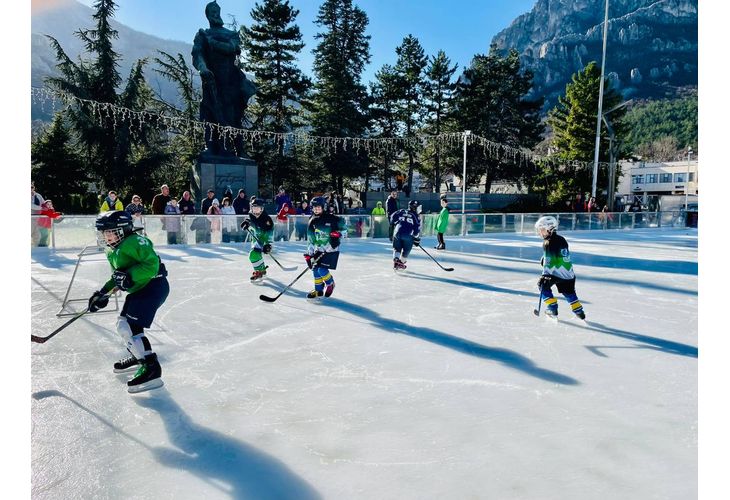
(220, 173)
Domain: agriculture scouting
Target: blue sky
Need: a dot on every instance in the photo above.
(461, 28)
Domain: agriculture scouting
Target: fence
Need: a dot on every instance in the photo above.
(77, 231)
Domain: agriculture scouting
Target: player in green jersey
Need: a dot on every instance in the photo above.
(557, 269)
(137, 270)
(261, 227)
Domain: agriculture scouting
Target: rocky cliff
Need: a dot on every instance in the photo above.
(651, 49)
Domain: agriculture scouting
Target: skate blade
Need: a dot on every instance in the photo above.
(125, 370)
(147, 386)
(257, 282)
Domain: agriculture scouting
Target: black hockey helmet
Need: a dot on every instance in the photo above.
(257, 202)
(118, 221)
(413, 205)
(319, 201)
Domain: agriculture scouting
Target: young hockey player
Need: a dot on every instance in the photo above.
(261, 226)
(557, 269)
(323, 234)
(137, 270)
(406, 233)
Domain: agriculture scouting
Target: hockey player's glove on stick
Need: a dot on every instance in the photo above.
(103, 297)
(267, 250)
(122, 280)
(536, 312)
(313, 261)
(437, 262)
(546, 281)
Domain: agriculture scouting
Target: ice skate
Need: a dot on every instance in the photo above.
(148, 376)
(551, 313)
(315, 294)
(398, 265)
(125, 364)
(258, 276)
(329, 289)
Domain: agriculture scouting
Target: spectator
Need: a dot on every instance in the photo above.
(36, 205)
(241, 205)
(136, 210)
(214, 212)
(160, 201)
(230, 226)
(301, 222)
(201, 226)
(45, 222)
(187, 205)
(282, 223)
(207, 202)
(281, 199)
(172, 221)
(441, 223)
(36, 200)
(378, 210)
(111, 202)
(579, 204)
(592, 207)
(391, 207)
(228, 193)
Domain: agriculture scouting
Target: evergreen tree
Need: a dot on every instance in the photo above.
(573, 122)
(438, 93)
(409, 68)
(654, 127)
(384, 97)
(108, 145)
(56, 165)
(338, 105)
(490, 101)
(272, 43)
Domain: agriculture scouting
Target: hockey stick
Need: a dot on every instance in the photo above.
(536, 312)
(270, 255)
(40, 340)
(272, 299)
(437, 262)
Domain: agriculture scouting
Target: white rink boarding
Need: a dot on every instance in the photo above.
(428, 385)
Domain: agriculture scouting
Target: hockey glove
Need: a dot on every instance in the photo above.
(122, 280)
(267, 248)
(417, 241)
(308, 260)
(545, 281)
(335, 239)
(245, 224)
(98, 301)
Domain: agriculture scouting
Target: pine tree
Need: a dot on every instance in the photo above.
(338, 106)
(409, 67)
(385, 93)
(491, 102)
(271, 44)
(438, 93)
(573, 121)
(107, 139)
(57, 168)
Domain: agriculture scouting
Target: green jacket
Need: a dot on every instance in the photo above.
(443, 220)
(378, 210)
(136, 257)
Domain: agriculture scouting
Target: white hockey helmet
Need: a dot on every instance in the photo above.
(547, 222)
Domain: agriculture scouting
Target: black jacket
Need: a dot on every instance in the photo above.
(391, 206)
(241, 205)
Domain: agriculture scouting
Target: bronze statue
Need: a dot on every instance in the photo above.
(226, 90)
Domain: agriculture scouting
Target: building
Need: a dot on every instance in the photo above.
(648, 181)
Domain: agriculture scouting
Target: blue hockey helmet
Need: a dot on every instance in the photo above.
(319, 201)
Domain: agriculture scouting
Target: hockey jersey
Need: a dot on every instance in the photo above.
(135, 256)
(405, 222)
(556, 258)
(321, 231)
(262, 227)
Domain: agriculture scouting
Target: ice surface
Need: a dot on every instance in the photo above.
(424, 385)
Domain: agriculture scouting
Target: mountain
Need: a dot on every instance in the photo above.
(62, 18)
(651, 46)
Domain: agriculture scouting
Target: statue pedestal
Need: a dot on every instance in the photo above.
(220, 172)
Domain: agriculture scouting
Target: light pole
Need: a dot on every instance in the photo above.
(467, 133)
(600, 106)
(686, 181)
(612, 154)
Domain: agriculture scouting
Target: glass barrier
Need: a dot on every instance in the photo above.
(78, 231)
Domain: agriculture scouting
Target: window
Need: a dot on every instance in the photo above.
(637, 179)
(679, 177)
(665, 177)
(651, 178)
(691, 176)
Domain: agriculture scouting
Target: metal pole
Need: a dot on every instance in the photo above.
(600, 105)
(686, 181)
(463, 189)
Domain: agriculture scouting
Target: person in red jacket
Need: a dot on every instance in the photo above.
(46, 223)
(282, 224)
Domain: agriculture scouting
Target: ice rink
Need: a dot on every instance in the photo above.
(427, 385)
